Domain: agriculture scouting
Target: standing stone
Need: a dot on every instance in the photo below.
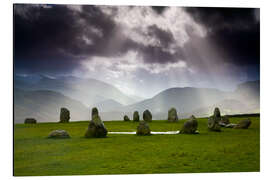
(136, 116)
(213, 121)
(143, 129)
(147, 116)
(217, 113)
(190, 126)
(243, 124)
(172, 115)
(126, 118)
(96, 127)
(30, 121)
(59, 134)
(94, 112)
(64, 115)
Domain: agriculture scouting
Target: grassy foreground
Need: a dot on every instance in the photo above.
(232, 150)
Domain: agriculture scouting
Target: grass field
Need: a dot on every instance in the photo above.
(232, 150)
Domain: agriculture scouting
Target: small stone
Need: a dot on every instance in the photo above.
(30, 121)
(190, 126)
(143, 129)
(126, 118)
(59, 134)
(243, 124)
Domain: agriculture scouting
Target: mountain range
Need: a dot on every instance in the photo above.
(43, 98)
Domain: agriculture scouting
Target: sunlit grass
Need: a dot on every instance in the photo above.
(232, 150)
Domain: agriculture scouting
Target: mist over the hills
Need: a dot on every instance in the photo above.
(43, 98)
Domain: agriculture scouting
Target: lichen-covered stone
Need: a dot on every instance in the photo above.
(190, 126)
(143, 129)
(126, 118)
(147, 116)
(172, 115)
(243, 124)
(96, 128)
(136, 116)
(30, 121)
(59, 134)
(64, 115)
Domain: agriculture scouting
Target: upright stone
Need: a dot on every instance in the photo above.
(190, 126)
(217, 113)
(172, 115)
(96, 128)
(64, 115)
(147, 116)
(213, 121)
(94, 112)
(126, 118)
(30, 121)
(143, 129)
(243, 124)
(136, 116)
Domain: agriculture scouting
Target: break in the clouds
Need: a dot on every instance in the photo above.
(141, 50)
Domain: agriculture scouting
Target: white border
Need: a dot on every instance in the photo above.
(6, 153)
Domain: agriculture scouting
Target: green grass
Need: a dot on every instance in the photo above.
(232, 150)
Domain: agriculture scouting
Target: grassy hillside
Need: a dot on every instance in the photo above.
(232, 150)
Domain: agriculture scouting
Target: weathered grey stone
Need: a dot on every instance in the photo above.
(243, 124)
(217, 113)
(30, 121)
(147, 116)
(143, 129)
(213, 124)
(64, 115)
(96, 128)
(190, 126)
(172, 115)
(59, 134)
(126, 118)
(136, 116)
(224, 121)
(213, 121)
(230, 125)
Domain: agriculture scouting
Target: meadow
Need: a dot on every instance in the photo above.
(232, 150)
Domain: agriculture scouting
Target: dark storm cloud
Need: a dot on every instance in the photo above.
(159, 9)
(235, 31)
(56, 38)
(164, 37)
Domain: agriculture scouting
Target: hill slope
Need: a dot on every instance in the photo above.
(88, 91)
(45, 106)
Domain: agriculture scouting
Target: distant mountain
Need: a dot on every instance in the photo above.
(88, 91)
(45, 106)
(183, 99)
(108, 105)
(227, 106)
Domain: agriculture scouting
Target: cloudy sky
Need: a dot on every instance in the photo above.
(140, 50)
